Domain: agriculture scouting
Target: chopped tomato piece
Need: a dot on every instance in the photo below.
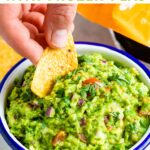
(60, 136)
(142, 113)
(90, 81)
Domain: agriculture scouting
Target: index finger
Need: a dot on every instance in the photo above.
(16, 34)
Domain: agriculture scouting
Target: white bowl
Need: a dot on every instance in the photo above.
(82, 48)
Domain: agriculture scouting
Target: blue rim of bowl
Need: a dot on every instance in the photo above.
(15, 146)
(3, 131)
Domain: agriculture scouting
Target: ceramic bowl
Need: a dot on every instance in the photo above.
(82, 47)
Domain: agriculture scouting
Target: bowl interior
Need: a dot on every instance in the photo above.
(19, 69)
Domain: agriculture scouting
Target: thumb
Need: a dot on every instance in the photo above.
(58, 22)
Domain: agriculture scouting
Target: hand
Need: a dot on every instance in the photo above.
(30, 28)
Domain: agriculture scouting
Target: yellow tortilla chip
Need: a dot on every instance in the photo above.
(53, 63)
(8, 57)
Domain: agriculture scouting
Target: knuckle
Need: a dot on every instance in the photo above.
(67, 19)
(63, 14)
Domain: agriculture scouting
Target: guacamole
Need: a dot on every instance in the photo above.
(99, 106)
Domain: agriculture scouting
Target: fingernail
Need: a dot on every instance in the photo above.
(59, 38)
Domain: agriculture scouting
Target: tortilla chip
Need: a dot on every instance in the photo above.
(53, 63)
(8, 57)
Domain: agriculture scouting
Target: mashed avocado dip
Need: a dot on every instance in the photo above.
(99, 106)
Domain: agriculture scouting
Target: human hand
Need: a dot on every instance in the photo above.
(28, 29)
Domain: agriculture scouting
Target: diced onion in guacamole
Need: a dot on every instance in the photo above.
(99, 106)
